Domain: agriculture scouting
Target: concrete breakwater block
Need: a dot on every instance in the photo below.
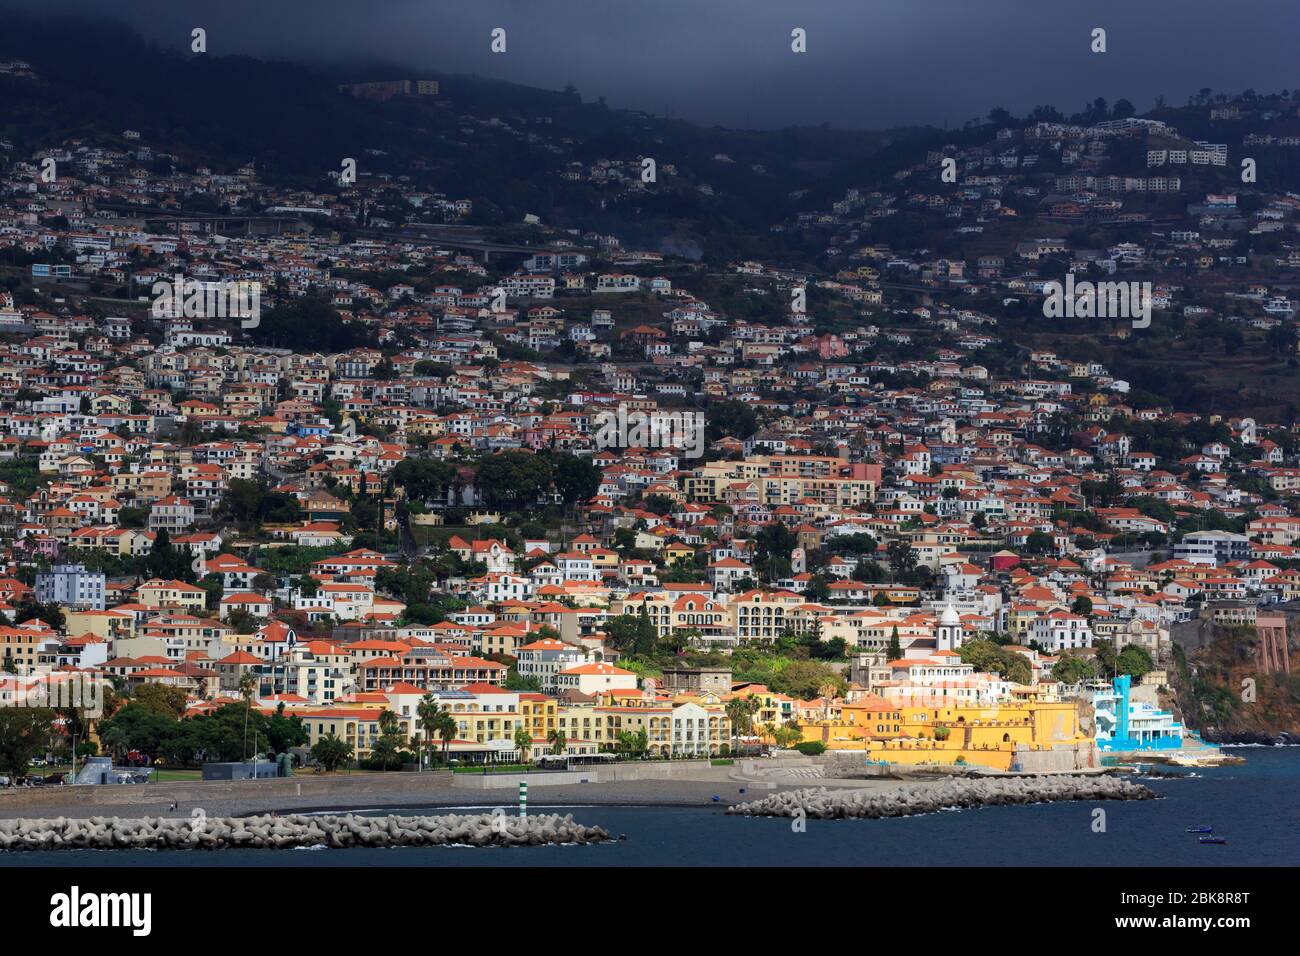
(295, 830)
(821, 803)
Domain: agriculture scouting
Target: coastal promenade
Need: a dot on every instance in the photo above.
(675, 783)
(688, 783)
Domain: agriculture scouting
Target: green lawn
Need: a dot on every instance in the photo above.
(176, 776)
(497, 768)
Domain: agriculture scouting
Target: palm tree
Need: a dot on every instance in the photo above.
(447, 729)
(523, 743)
(740, 713)
(558, 741)
(384, 755)
(247, 684)
(388, 748)
(427, 710)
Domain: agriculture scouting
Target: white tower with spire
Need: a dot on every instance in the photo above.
(949, 635)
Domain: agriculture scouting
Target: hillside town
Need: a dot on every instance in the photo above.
(436, 495)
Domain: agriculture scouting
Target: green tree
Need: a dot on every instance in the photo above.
(731, 418)
(740, 712)
(412, 583)
(284, 731)
(447, 730)
(1039, 542)
(1072, 670)
(524, 744)
(632, 633)
(787, 735)
(1135, 660)
(249, 503)
(309, 318)
(1106, 658)
(805, 679)
(425, 479)
(243, 621)
(513, 479)
(902, 558)
(247, 690)
(576, 479)
(24, 734)
(161, 699)
(990, 657)
(516, 681)
(427, 711)
(386, 753)
(331, 752)
(137, 727)
(168, 562)
(772, 547)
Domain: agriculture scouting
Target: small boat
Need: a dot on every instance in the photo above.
(1200, 829)
(1213, 839)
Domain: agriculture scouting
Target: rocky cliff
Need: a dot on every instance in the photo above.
(1221, 691)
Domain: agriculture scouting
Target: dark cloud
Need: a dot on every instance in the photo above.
(870, 63)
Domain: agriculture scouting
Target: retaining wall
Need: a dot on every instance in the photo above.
(348, 787)
(610, 773)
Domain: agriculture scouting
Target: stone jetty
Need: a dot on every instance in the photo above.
(824, 804)
(199, 832)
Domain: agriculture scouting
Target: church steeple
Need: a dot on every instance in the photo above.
(948, 637)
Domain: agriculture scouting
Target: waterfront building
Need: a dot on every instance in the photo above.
(1124, 724)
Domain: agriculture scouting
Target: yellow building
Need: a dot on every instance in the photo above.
(869, 628)
(358, 726)
(670, 613)
(994, 735)
(587, 723)
(677, 729)
(539, 714)
(480, 722)
(761, 615)
(142, 485)
(678, 553)
(832, 492)
(30, 648)
(672, 728)
(109, 625)
(122, 542)
(159, 593)
(775, 709)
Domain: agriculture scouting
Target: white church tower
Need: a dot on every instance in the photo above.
(949, 635)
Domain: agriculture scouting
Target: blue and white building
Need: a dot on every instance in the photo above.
(1123, 724)
(71, 585)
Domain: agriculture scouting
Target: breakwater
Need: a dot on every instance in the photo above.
(340, 831)
(821, 803)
